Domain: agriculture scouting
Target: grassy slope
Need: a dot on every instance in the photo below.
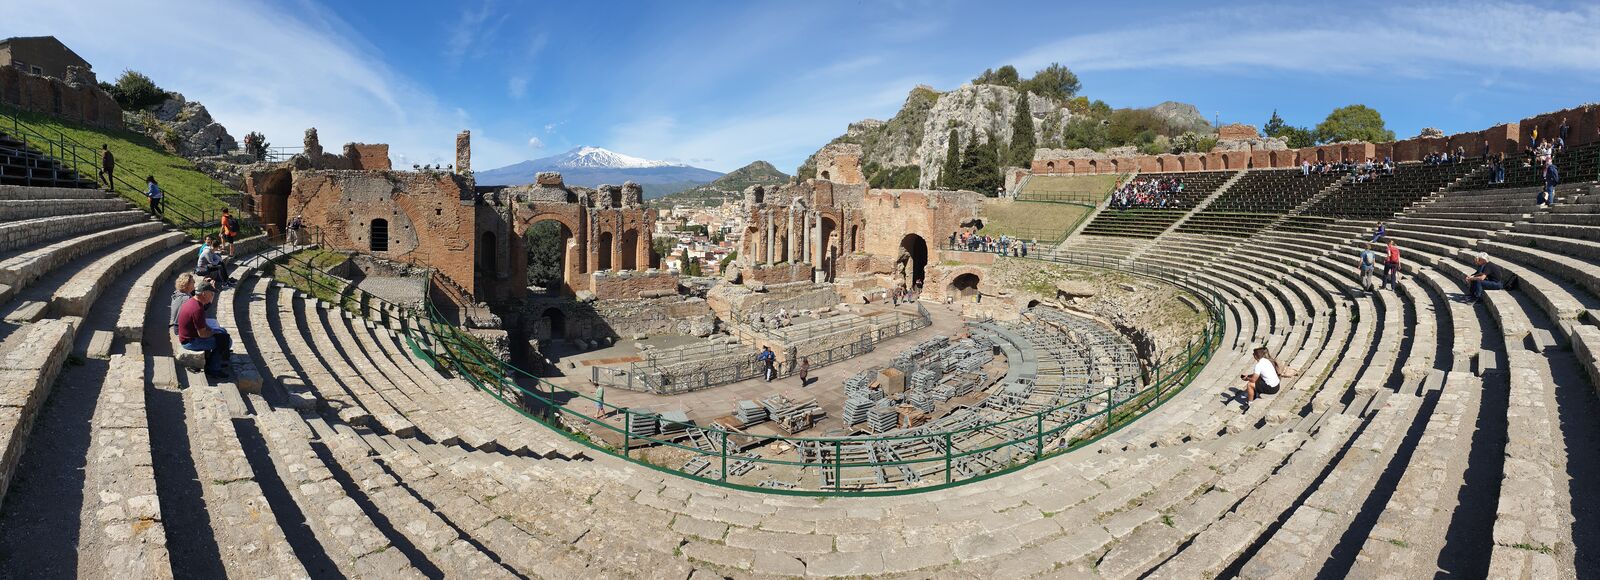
(1072, 184)
(1028, 219)
(137, 156)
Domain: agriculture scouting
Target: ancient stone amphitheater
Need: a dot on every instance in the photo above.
(1422, 436)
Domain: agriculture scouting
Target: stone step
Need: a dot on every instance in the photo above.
(21, 270)
(30, 358)
(249, 540)
(76, 296)
(119, 477)
(25, 192)
(35, 232)
(154, 282)
(25, 209)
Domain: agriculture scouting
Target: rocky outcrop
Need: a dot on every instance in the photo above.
(1430, 133)
(975, 112)
(184, 126)
(1182, 117)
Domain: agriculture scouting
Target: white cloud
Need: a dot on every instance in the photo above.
(551, 127)
(1398, 39)
(535, 143)
(309, 75)
(473, 33)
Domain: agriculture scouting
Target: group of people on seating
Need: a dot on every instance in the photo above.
(194, 321)
(1445, 157)
(1003, 244)
(1343, 166)
(1370, 170)
(1147, 193)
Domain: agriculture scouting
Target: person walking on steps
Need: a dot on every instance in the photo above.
(1552, 178)
(108, 164)
(295, 225)
(1263, 377)
(153, 191)
(805, 370)
(1369, 264)
(1391, 267)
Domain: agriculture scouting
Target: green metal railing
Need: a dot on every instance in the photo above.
(807, 465)
(85, 162)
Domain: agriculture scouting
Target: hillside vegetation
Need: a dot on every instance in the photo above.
(731, 185)
(189, 192)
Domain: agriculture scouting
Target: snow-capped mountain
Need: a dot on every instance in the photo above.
(587, 157)
(590, 166)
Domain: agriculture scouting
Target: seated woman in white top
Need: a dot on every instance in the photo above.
(1263, 377)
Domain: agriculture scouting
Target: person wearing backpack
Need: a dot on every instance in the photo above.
(1369, 264)
(230, 230)
(1391, 267)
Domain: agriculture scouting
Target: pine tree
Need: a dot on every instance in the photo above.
(980, 168)
(1022, 142)
(1274, 126)
(952, 163)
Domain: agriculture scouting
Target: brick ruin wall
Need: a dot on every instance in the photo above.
(1509, 139)
(430, 217)
(80, 100)
(631, 285)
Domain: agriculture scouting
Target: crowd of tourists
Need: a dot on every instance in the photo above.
(1147, 193)
(1003, 244)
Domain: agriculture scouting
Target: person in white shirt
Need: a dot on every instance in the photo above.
(1263, 377)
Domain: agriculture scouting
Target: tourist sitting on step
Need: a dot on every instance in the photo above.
(197, 333)
(1488, 276)
(1263, 378)
(211, 265)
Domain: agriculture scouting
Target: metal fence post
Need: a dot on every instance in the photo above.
(948, 448)
(1038, 446)
(837, 468)
(627, 430)
(724, 455)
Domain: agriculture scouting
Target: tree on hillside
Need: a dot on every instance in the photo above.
(1274, 126)
(1054, 81)
(691, 266)
(952, 162)
(135, 92)
(1004, 76)
(1022, 141)
(1353, 123)
(1081, 133)
(980, 167)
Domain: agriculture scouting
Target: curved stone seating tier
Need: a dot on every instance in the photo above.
(1577, 164)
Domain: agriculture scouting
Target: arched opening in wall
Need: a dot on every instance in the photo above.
(1272, 158)
(546, 242)
(1033, 303)
(963, 286)
(1322, 156)
(1225, 162)
(1050, 166)
(1344, 153)
(630, 250)
(1203, 163)
(913, 261)
(555, 323)
(378, 235)
(605, 248)
(488, 255)
(830, 245)
(826, 176)
(855, 239)
(1094, 166)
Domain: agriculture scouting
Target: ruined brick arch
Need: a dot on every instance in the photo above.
(1272, 159)
(629, 250)
(1161, 164)
(1203, 163)
(1225, 164)
(1072, 166)
(1050, 165)
(1344, 152)
(963, 283)
(604, 244)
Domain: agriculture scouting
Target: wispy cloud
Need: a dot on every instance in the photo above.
(311, 77)
(535, 143)
(473, 32)
(1410, 40)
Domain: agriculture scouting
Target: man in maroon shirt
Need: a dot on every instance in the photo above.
(195, 334)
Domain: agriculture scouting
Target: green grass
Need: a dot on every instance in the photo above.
(1099, 185)
(137, 156)
(1031, 220)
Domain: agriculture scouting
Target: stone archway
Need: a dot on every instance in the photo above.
(604, 246)
(911, 266)
(488, 255)
(630, 250)
(549, 255)
(555, 323)
(963, 286)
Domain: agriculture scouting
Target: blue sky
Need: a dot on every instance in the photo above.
(719, 84)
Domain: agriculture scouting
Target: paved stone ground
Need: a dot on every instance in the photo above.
(826, 382)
